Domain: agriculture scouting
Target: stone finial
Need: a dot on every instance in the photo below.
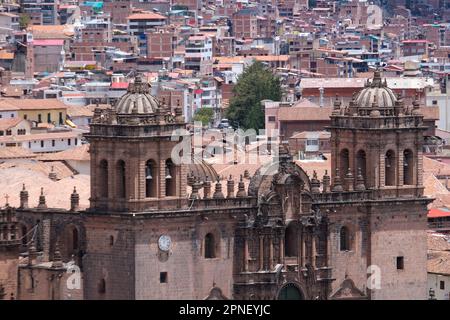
(416, 106)
(326, 181)
(360, 186)
(218, 191)
(32, 252)
(375, 102)
(230, 187)
(52, 175)
(337, 184)
(349, 180)
(195, 188)
(206, 188)
(42, 204)
(74, 200)
(190, 178)
(179, 114)
(315, 183)
(337, 105)
(398, 108)
(376, 81)
(241, 188)
(6, 200)
(23, 198)
(57, 259)
(246, 174)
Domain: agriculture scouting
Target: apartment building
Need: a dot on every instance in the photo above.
(199, 54)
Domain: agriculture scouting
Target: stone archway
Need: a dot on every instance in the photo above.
(290, 291)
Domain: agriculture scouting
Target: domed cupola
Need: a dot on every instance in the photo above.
(376, 97)
(137, 100)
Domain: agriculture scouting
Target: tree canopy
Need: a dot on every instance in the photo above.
(24, 21)
(204, 115)
(256, 83)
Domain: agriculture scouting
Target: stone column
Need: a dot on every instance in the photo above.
(245, 255)
(46, 238)
(183, 180)
(270, 252)
(313, 251)
(400, 168)
(162, 178)
(419, 166)
(141, 185)
(281, 249)
(382, 174)
(302, 249)
(261, 252)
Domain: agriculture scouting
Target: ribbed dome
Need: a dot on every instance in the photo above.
(137, 100)
(201, 169)
(376, 94)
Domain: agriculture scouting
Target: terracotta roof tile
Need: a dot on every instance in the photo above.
(146, 16)
(15, 153)
(80, 153)
(304, 113)
(8, 123)
(31, 104)
(34, 174)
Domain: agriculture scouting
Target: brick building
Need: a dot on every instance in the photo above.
(161, 43)
(9, 252)
(158, 228)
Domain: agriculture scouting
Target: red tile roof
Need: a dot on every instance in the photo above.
(48, 42)
(304, 113)
(119, 85)
(31, 104)
(146, 16)
(438, 213)
(9, 123)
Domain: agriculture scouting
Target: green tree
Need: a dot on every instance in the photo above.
(204, 115)
(256, 83)
(24, 21)
(312, 3)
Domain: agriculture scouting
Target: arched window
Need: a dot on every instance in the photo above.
(344, 162)
(389, 171)
(210, 246)
(150, 179)
(170, 178)
(408, 167)
(291, 241)
(290, 292)
(111, 240)
(344, 236)
(23, 235)
(102, 286)
(121, 179)
(75, 240)
(71, 245)
(13, 233)
(5, 233)
(103, 179)
(361, 163)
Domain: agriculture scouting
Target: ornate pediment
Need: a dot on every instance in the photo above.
(216, 294)
(349, 291)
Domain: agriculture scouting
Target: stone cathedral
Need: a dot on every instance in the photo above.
(157, 229)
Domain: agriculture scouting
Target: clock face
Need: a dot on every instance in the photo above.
(164, 243)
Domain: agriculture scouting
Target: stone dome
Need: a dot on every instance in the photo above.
(137, 100)
(376, 94)
(201, 169)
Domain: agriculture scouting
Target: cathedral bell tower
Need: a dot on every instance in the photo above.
(379, 139)
(131, 154)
